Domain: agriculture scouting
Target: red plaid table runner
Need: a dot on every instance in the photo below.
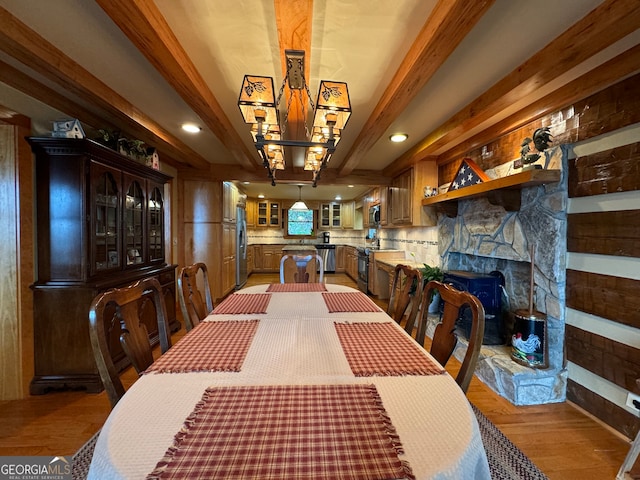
(380, 349)
(244, 303)
(349, 302)
(297, 287)
(281, 432)
(209, 347)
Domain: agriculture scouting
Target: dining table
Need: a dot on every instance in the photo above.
(293, 381)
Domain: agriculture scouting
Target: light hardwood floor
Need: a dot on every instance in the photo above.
(561, 439)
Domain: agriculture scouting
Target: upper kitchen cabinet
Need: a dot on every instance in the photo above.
(99, 225)
(406, 194)
(267, 214)
(330, 215)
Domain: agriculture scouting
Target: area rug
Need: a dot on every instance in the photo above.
(506, 461)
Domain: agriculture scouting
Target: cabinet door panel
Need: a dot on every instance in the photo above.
(134, 224)
(106, 232)
(155, 222)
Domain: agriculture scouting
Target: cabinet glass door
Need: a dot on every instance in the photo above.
(107, 231)
(262, 214)
(335, 215)
(134, 224)
(156, 250)
(274, 214)
(325, 215)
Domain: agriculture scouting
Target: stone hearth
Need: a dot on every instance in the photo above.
(485, 237)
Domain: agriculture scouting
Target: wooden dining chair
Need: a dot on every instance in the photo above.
(301, 268)
(444, 337)
(121, 309)
(405, 296)
(194, 309)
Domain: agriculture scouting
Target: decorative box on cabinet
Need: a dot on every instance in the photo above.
(100, 225)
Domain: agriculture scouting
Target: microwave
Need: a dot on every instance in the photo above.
(374, 215)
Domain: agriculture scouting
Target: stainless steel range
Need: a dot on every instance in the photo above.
(363, 270)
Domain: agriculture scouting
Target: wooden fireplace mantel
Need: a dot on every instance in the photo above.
(504, 191)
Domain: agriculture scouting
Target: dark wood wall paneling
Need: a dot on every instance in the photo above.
(611, 171)
(605, 233)
(615, 233)
(611, 360)
(606, 111)
(614, 416)
(613, 298)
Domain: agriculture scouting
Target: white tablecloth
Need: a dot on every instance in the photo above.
(296, 343)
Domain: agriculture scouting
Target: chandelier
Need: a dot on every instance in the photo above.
(260, 109)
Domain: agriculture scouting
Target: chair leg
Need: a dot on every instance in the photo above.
(631, 458)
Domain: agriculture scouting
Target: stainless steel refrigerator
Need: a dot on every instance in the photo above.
(241, 248)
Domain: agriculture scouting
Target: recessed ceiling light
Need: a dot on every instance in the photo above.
(350, 186)
(246, 183)
(261, 196)
(191, 128)
(338, 197)
(398, 137)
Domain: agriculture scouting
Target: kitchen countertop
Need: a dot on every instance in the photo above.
(298, 248)
(392, 262)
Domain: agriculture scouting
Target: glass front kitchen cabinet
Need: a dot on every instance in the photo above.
(100, 225)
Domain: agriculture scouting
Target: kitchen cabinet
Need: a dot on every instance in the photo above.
(268, 214)
(340, 259)
(351, 262)
(401, 201)
(250, 260)
(100, 225)
(250, 209)
(230, 197)
(267, 258)
(330, 216)
(347, 214)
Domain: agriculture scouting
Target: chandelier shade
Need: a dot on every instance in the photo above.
(333, 107)
(257, 100)
(259, 108)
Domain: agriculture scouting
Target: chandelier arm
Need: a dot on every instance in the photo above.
(306, 86)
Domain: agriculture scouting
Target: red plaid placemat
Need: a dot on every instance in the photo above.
(349, 302)
(297, 287)
(209, 347)
(294, 432)
(380, 349)
(244, 303)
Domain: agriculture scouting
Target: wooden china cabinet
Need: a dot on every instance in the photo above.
(100, 225)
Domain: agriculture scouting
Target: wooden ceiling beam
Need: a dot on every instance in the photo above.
(449, 23)
(294, 20)
(609, 22)
(29, 48)
(609, 73)
(330, 176)
(142, 22)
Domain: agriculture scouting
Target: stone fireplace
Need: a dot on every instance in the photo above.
(485, 237)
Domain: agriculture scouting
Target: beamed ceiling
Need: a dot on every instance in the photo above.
(444, 72)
